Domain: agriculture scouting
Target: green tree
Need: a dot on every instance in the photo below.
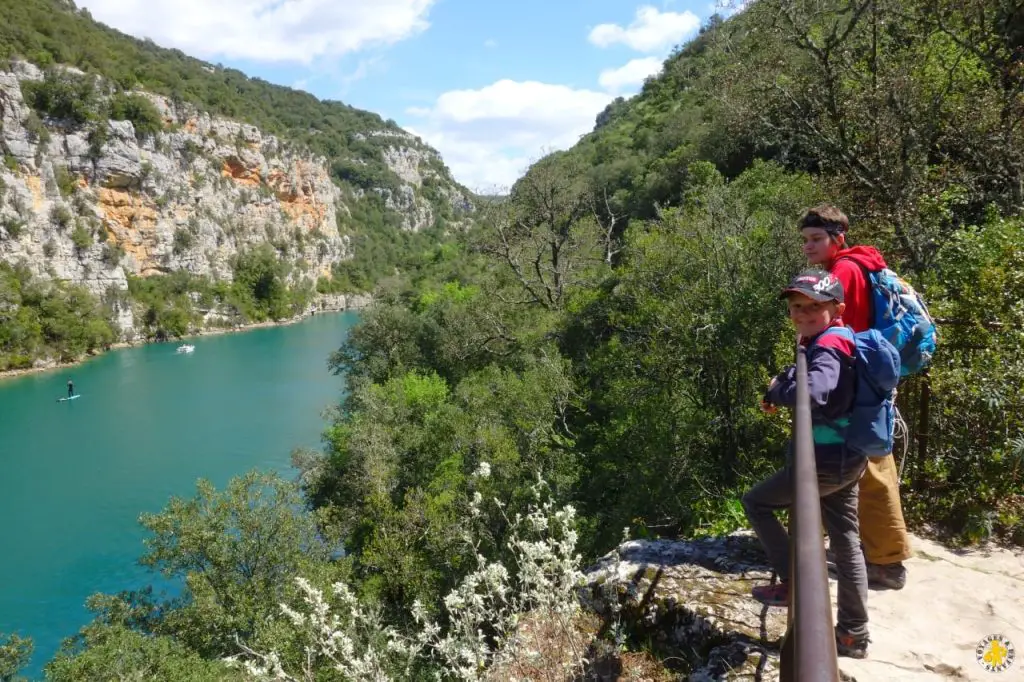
(15, 653)
(63, 94)
(114, 652)
(139, 110)
(41, 318)
(259, 283)
(968, 474)
(671, 355)
(236, 551)
(545, 234)
(401, 462)
(892, 101)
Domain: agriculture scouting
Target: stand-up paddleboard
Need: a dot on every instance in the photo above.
(64, 400)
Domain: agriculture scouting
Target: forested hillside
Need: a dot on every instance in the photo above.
(610, 329)
(125, 160)
(639, 270)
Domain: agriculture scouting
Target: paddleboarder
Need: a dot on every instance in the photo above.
(71, 388)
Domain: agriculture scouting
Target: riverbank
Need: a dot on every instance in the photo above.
(326, 304)
(150, 423)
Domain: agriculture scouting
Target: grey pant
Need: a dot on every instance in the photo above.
(838, 487)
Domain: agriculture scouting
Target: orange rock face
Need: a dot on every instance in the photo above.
(130, 220)
(35, 186)
(234, 168)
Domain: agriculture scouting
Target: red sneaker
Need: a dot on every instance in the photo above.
(772, 595)
(850, 646)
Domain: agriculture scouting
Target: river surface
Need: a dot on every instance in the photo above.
(75, 476)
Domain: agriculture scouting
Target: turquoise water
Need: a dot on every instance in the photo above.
(76, 475)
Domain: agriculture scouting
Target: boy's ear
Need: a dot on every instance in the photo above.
(840, 239)
(840, 307)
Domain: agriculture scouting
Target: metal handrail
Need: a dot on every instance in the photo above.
(809, 645)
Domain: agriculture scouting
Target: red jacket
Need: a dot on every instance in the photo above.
(847, 269)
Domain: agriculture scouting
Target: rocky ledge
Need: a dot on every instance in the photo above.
(690, 600)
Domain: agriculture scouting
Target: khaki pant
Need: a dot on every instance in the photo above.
(882, 528)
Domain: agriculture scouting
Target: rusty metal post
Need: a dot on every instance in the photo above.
(809, 648)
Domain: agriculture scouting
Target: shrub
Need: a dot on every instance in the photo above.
(535, 593)
(60, 215)
(183, 241)
(112, 254)
(139, 110)
(81, 237)
(35, 127)
(66, 182)
(13, 227)
(64, 95)
(97, 138)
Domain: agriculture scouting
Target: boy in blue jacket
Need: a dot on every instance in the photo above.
(815, 300)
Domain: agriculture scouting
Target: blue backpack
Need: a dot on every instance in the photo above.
(899, 313)
(872, 418)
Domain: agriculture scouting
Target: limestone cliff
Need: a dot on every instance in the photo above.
(92, 208)
(418, 169)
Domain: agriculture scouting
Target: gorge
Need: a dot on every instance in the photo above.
(109, 180)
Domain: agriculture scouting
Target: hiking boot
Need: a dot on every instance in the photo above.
(850, 646)
(772, 595)
(887, 576)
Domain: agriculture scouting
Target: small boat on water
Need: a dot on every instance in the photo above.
(186, 348)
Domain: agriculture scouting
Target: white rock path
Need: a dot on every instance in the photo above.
(931, 628)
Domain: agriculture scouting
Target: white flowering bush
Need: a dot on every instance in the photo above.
(505, 622)
(337, 633)
(515, 621)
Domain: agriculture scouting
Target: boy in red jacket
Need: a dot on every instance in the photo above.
(882, 528)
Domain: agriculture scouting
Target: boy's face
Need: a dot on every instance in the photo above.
(819, 246)
(812, 317)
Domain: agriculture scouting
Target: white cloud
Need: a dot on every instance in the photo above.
(488, 137)
(490, 43)
(651, 31)
(266, 30)
(630, 74)
(362, 70)
(728, 8)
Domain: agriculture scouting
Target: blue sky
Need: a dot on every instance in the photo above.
(493, 85)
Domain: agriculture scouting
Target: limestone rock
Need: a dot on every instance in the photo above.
(14, 113)
(405, 163)
(693, 597)
(119, 165)
(930, 629)
(335, 302)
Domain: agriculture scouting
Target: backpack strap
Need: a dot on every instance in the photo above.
(850, 361)
(844, 332)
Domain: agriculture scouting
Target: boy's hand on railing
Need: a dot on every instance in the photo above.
(766, 406)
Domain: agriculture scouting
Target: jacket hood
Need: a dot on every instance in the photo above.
(868, 256)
